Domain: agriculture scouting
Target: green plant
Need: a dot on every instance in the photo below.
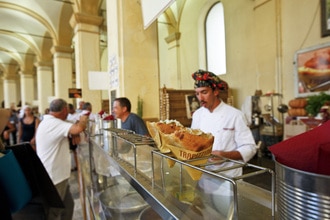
(315, 102)
(139, 109)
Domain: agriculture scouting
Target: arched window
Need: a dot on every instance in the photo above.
(215, 40)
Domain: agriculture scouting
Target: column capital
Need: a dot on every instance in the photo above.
(26, 76)
(9, 77)
(85, 19)
(44, 63)
(61, 49)
(26, 73)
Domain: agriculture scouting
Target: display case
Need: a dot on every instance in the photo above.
(124, 176)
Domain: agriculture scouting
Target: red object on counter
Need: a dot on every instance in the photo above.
(109, 118)
(309, 151)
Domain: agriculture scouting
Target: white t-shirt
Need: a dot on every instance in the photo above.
(73, 117)
(229, 128)
(53, 147)
(91, 117)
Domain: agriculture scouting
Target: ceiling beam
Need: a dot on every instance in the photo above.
(64, 1)
(22, 53)
(28, 34)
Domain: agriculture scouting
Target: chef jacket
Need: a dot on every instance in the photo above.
(229, 128)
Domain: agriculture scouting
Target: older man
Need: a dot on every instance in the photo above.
(53, 150)
(129, 120)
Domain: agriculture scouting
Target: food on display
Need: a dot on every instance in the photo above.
(193, 139)
(298, 103)
(294, 112)
(184, 143)
(159, 130)
(169, 126)
(172, 132)
(297, 107)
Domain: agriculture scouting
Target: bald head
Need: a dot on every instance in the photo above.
(59, 108)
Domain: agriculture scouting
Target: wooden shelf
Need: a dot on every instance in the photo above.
(173, 104)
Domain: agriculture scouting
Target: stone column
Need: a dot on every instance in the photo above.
(10, 85)
(135, 55)
(173, 42)
(27, 87)
(9, 91)
(87, 54)
(45, 84)
(62, 71)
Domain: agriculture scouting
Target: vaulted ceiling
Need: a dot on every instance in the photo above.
(30, 28)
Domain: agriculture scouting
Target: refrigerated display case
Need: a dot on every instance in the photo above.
(124, 175)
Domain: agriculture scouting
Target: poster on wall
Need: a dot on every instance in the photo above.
(192, 104)
(113, 72)
(312, 70)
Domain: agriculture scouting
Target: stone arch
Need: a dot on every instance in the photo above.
(34, 15)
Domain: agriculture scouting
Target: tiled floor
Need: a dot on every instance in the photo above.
(74, 187)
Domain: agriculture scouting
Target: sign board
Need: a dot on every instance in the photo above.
(113, 72)
(152, 9)
(98, 80)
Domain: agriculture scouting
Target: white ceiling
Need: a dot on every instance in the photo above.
(31, 28)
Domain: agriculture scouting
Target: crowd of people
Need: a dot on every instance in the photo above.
(21, 126)
(55, 136)
(58, 131)
(24, 121)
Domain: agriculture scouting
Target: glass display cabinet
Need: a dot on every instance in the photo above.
(124, 176)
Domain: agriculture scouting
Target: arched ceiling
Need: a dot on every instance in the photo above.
(31, 27)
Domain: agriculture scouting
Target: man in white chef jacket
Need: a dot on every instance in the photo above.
(232, 137)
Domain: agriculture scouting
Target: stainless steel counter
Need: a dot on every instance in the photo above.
(170, 191)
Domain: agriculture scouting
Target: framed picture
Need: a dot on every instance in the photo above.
(75, 93)
(325, 17)
(312, 70)
(192, 104)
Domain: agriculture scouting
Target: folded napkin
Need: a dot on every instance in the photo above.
(309, 151)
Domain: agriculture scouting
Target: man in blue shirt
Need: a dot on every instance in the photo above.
(129, 121)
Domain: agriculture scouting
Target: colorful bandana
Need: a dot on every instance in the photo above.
(208, 79)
